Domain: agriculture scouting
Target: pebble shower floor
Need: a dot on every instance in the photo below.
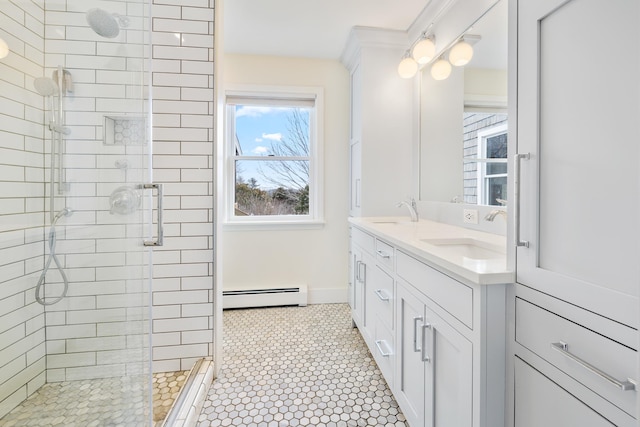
(94, 403)
(297, 366)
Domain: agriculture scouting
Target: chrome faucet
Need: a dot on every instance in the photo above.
(413, 208)
(492, 215)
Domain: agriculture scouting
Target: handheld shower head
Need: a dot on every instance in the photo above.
(45, 86)
(106, 24)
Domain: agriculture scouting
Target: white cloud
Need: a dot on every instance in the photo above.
(253, 111)
(259, 140)
(259, 150)
(273, 136)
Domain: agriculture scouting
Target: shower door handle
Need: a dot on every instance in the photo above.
(159, 241)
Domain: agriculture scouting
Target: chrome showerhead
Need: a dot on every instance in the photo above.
(106, 24)
(45, 86)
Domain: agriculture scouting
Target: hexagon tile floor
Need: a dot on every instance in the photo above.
(297, 366)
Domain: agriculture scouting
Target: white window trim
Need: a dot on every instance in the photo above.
(315, 218)
(482, 160)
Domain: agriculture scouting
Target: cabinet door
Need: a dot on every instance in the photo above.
(578, 110)
(541, 402)
(356, 144)
(359, 280)
(410, 375)
(449, 394)
(434, 385)
(356, 178)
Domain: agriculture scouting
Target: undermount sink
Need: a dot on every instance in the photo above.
(392, 221)
(467, 247)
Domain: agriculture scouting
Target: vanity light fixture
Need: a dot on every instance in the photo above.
(424, 50)
(407, 67)
(441, 69)
(4, 49)
(461, 53)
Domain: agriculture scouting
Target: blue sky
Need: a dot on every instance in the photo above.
(257, 128)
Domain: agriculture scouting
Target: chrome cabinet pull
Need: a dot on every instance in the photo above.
(380, 295)
(383, 254)
(415, 333)
(382, 352)
(360, 277)
(425, 357)
(563, 348)
(516, 196)
(159, 241)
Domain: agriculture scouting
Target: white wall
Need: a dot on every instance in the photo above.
(315, 257)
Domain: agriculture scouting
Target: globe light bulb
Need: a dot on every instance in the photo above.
(441, 69)
(424, 51)
(461, 54)
(407, 68)
(4, 49)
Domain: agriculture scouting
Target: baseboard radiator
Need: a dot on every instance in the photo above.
(265, 297)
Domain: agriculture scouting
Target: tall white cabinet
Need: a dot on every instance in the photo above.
(575, 306)
(381, 122)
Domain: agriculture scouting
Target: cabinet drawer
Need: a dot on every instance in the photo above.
(381, 299)
(583, 354)
(364, 240)
(384, 352)
(448, 293)
(541, 402)
(384, 254)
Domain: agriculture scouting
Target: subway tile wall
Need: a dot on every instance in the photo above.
(22, 333)
(182, 72)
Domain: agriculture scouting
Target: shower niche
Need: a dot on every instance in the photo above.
(125, 130)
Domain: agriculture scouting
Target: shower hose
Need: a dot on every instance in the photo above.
(53, 257)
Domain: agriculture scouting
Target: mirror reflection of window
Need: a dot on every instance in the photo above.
(485, 156)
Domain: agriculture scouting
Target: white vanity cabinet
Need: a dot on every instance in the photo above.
(373, 297)
(576, 305)
(437, 338)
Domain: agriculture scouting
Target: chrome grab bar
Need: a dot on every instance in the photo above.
(159, 241)
(382, 353)
(516, 196)
(563, 348)
(380, 295)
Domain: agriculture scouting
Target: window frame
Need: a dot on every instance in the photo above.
(280, 95)
(483, 160)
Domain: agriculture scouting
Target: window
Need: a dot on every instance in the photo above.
(273, 156)
(484, 155)
(492, 165)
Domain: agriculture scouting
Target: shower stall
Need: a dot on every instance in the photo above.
(76, 211)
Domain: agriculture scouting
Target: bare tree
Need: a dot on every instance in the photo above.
(290, 173)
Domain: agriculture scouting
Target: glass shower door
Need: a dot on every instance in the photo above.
(78, 343)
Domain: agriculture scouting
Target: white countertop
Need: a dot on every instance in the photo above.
(409, 236)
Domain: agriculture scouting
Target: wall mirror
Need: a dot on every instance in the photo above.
(463, 121)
